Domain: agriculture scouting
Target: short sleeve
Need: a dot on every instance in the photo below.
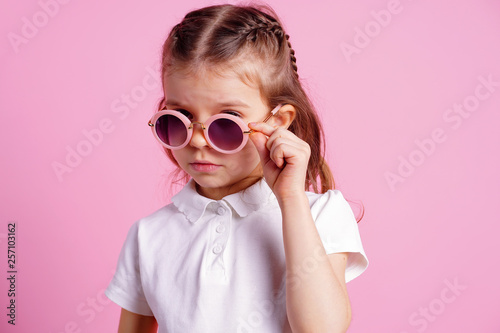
(339, 231)
(126, 289)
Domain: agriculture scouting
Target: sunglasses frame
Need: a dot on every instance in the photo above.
(205, 126)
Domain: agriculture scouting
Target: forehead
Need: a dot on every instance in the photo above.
(249, 68)
(209, 85)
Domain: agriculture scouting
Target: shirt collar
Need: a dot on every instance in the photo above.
(193, 205)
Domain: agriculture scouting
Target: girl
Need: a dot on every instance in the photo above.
(244, 246)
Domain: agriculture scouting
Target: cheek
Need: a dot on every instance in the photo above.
(178, 156)
(248, 157)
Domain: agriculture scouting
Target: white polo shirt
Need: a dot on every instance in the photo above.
(203, 265)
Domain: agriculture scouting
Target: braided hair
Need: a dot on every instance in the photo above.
(250, 41)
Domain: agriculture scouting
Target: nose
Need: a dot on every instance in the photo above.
(198, 138)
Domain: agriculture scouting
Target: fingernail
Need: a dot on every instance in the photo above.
(252, 124)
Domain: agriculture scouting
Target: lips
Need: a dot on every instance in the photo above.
(204, 166)
(202, 162)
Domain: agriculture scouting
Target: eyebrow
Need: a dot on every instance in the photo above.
(219, 105)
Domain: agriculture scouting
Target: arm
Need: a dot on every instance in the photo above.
(135, 323)
(316, 293)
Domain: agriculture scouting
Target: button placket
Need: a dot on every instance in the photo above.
(220, 228)
(219, 238)
(217, 249)
(221, 210)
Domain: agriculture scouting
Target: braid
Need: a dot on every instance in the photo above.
(228, 35)
(267, 28)
(292, 56)
(271, 27)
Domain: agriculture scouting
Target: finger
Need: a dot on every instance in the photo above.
(285, 151)
(273, 133)
(278, 155)
(282, 135)
(259, 140)
(264, 128)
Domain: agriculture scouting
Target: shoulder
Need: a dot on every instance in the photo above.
(153, 221)
(328, 195)
(331, 202)
(338, 230)
(159, 215)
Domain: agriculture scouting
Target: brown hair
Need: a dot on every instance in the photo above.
(250, 41)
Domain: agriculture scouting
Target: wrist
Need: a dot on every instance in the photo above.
(293, 199)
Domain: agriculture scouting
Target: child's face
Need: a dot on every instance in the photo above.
(204, 95)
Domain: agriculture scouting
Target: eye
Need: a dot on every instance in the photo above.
(186, 113)
(233, 113)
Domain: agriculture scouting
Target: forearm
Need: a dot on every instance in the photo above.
(315, 298)
(135, 323)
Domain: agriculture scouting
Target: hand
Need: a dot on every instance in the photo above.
(284, 158)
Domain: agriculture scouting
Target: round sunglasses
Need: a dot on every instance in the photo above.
(223, 132)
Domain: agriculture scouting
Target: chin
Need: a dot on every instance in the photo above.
(209, 181)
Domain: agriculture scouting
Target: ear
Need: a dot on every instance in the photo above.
(284, 117)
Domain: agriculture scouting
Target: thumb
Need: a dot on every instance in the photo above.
(260, 140)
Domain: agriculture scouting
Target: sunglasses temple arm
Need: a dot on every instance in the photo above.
(273, 112)
(267, 118)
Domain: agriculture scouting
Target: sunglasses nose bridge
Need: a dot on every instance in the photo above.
(197, 122)
(197, 138)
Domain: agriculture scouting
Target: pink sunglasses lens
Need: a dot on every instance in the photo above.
(171, 130)
(225, 134)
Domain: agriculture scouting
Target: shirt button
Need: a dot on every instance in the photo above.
(221, 210)
(217, 249)
(220, 228)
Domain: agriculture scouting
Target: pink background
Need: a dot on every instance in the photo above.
(435, 226)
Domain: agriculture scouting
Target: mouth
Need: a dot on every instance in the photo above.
(204, 166)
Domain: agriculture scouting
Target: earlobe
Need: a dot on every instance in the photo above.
(284, 117)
